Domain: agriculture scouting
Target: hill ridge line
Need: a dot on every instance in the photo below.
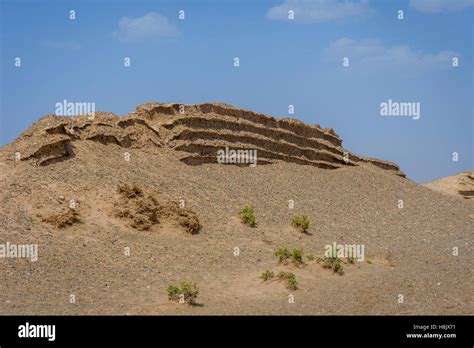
(198, 130)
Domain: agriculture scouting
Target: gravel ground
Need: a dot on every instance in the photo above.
(408, 251)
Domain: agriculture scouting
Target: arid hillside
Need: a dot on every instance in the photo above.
(122, 207)
(461, 185)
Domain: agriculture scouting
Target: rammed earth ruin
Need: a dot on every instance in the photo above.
(201, 133)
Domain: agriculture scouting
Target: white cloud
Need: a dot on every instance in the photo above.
(433, 6)
(373, 54)
(148, 27)
(68, 45)
(318, 11)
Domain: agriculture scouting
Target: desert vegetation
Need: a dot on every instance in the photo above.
(285, 255)
(187, 293)
(63, 218)
(185, 217)
(248, 216)
(142, 210)
(301, 222)
(334, 263)
(267, 275)
(137, 207)
(290, 279)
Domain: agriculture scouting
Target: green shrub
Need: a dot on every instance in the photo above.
(248, 217)
(301, 222)
(296, 256)
(173, 292)
(292, 284)
(290, 279)
(267, 275)
(188, 292)
(282, 254)
(310, 257)
(333, 263)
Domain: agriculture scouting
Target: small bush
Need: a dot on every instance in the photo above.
(189, 222)
(283, 254)
(290, 279)
(130, 191)
(351, 259)
(248, 217)
(63, 218)
(185, 217)
(310, 257)
(267, 275)
(333, 263)
(135, 206)
(188, 292)
(296, 256)
(301, 222)
(173, 292)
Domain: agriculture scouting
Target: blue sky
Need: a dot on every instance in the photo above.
(282, 62)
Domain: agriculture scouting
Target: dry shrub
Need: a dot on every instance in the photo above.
(129, 191)
(185, 217)
(143, 210)
(63, 218)
(139, 208)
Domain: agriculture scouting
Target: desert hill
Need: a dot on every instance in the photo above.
(122, 207)
(461, 185)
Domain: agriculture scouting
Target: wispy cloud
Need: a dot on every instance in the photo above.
(373, 54)
(436, 6)
(318, 11)
(63, 45)
(151, 26)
